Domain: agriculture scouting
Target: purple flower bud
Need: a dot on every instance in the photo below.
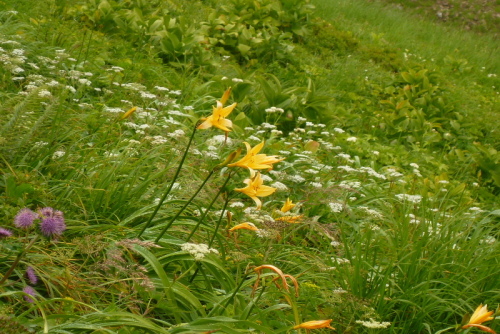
(30, 273)
(46, 212)
(52, 226)
(4, 233)
(31, 292)
(25, 218)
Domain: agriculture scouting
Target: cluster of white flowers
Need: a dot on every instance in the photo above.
(198, 251)
(350, 184)
(44, 93)
(279, 186)
(410, 198)
(372, 212)
(373, 324)
(340, 260)
(336, 207)
(58, 154)
(296, 178)
(274, 110)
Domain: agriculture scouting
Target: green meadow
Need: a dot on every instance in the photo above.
(249, 166)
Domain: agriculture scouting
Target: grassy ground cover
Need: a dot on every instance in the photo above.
(348, 179)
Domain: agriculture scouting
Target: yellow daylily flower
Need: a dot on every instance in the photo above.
(244, 226)
(252, 160)
(218, 118)
(256, 189)
(219, 114)
(287, 206)
(480, 315)
(315, 324)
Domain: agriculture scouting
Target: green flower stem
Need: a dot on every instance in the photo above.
(18, 258)
(296, 315)
(171, 184)
(213, 237)
(202, 218)
(165, 229)
(218, 222)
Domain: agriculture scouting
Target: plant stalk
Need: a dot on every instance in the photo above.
(171, 184)
(18, 258)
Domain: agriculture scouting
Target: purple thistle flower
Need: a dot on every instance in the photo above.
(46, 212)
(31, 292)
(30, 273)
(25, 218)
(4, 233)
(52, 226)
(52, 222)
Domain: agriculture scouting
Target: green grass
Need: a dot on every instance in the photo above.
(388, 127)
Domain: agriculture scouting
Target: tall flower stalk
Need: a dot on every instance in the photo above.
(162, 199)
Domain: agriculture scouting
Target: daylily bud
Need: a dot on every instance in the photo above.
(230, 158)
(128, 113)
(225, 97)
(311, 146)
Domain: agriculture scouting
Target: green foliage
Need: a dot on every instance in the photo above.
(395, 180)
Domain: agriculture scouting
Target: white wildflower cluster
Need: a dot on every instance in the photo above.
(370, 171)
(157, 140)
(340, 260)
(371, 212)
(352, 139)
(336, 207)
(274, 110)
(391, 172)
(410, 198)
(264, 234)
(373, 324)
(416, 169)
(258, 216)
(345, 156)
(220, 140)
(350, 184)
(476, 209)
(198, 251)
(279, 186)
(58, 154)
(490, 240)
(177, 134)
(113, 110)
(44, 93)
(296, 178)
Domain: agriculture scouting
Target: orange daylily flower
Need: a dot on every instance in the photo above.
(219, 114)
(480, 315)
(244, 226)
(287, 206)
(315, 324)
(276, 270)
(294, 281)
(256, 189)
(252, 160)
